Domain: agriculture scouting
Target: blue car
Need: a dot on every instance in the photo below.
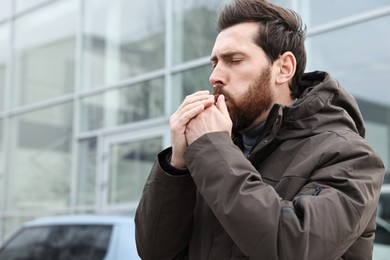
(76, 237)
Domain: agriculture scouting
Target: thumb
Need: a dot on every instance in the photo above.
(221, 105)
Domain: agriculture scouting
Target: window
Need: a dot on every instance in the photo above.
(355, 56)
(5, 9)
(122, 39)
(129, 166)
(383, 210)
(86, 174)
(40, 159)
(378, 135)
(382, 233)
(76, 242)
(188, 82)
(22, 5)
(5, 49)
(325, 11)
(122, 106)
(11, 224)
(1, 146)
(2, 167)
(44, 64)
(194, 30)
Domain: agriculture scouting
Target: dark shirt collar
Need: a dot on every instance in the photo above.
(251, 138)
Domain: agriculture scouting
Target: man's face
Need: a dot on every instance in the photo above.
(257, 100)
(243, 74)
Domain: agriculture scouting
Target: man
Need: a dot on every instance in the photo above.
(272, 166)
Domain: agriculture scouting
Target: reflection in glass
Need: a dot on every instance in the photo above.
(122, 106)
(358, 58)
(194, 28)
(377, 121)
(5, 9)
(2, 167)
(383, 209)
(76, 242)
(40, 160)
(122, 39)
(45, 53)
(327, 11)
(86, 182)
(1, 145)
(21, 5)
(11, 224)
(284, 3)
(378, 135)
(188, 82)
(130, 164)
(4, 50)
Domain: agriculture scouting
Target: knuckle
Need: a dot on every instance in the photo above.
(187, 98)
(172, 120)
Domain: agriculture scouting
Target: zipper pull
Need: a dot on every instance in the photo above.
(317, 191)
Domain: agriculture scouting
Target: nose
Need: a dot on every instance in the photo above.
(217, 76)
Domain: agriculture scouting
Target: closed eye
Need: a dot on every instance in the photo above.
(229, 57)
(236, 61)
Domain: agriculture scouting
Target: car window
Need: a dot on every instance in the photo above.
(62, 242)
(382, 235)
(384, 206)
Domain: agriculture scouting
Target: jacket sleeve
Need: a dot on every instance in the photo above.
(164, 215)
(263, 225)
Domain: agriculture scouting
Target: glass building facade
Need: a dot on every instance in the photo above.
(87, 88)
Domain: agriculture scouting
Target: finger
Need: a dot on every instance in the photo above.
(195, 97)
(182, 117)
(221, 105)
(185, 107)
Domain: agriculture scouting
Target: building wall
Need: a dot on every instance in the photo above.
(87, 88)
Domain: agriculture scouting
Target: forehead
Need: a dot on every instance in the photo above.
(240, 37)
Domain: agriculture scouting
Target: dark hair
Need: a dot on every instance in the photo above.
(281, 30)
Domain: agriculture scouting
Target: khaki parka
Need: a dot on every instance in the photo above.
(308, 190)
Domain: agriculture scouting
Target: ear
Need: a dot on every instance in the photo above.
(286, 66)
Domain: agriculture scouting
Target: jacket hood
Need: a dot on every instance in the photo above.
(323, 105)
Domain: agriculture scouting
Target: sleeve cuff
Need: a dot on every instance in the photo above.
(164, 159)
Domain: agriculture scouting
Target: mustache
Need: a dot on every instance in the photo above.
(218, 91)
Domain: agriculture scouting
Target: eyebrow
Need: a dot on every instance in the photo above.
(225, 55)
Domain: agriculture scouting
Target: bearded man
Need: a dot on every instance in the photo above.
(272, 165)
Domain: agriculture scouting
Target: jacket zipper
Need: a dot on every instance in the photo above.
(317, 191)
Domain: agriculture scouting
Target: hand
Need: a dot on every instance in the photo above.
(213, 119)
(192, 106)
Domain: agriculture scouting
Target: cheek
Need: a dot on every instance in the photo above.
(243, 88)
(241, 85)
(241, 78)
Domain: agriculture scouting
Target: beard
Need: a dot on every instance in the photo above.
(255, 101)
